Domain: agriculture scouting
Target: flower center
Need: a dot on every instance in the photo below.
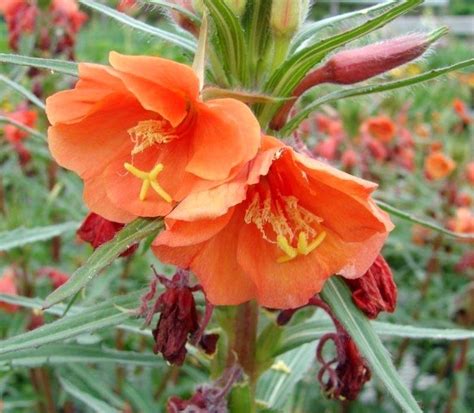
(282, 221)
(150, 132)
(149, 180)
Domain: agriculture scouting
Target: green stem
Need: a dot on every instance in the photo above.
(245, 339)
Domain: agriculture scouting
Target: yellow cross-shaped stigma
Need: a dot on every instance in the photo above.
(149, 179)
(302, 248)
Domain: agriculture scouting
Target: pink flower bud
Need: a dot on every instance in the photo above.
(355, 65)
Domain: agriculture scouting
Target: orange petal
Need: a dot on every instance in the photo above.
(97, 201)
(226, 134)
(287, 285)
(95, 83)
(216, 267)
(342, 201)
(161, 85)
(86, 147)
(291, 284)
(183, 234)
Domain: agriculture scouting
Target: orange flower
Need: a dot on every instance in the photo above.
(460, 108)
(276, 232)
(438, 165)
(141, 139)
(463, 222)
(8, 286)
(380, 127)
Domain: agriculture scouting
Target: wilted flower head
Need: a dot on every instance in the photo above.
(208, 399)
(66, 17)
(346, 380)
(20, 17)
(276, 232)
(97, 230)
(178, 319)
(141, 138)
(375, 291)
(438, 165)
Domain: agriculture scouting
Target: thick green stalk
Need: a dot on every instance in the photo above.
(245, 339)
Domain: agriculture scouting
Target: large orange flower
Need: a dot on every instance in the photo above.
(276, 232)
(141, 138)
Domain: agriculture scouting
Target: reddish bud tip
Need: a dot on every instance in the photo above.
(375, 291)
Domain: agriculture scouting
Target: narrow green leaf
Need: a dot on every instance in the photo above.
(231, 38)
(22, 236)
(23, 91)
(307, 332)
(173, 6)
(95, 384)
(337, 295)
(92, 318)
(94, 403)
(54, 65)
(412, 218)
(178, 39)
(104, 255)
(293, 123)
(76, 353)
(277, 383)
(309, 31)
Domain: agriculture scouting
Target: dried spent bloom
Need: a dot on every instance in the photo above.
(8, 286)
(97, 230)
(275, 233)
(438, 165)
(351, 373)
(375, 291)
(68, 19)
(139, 136)
(20, 17)
(178, 320)
(381, 128)
(208, 399)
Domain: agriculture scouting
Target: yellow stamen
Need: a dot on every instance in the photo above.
(303, 248)
(285, 246)
(149, 179)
